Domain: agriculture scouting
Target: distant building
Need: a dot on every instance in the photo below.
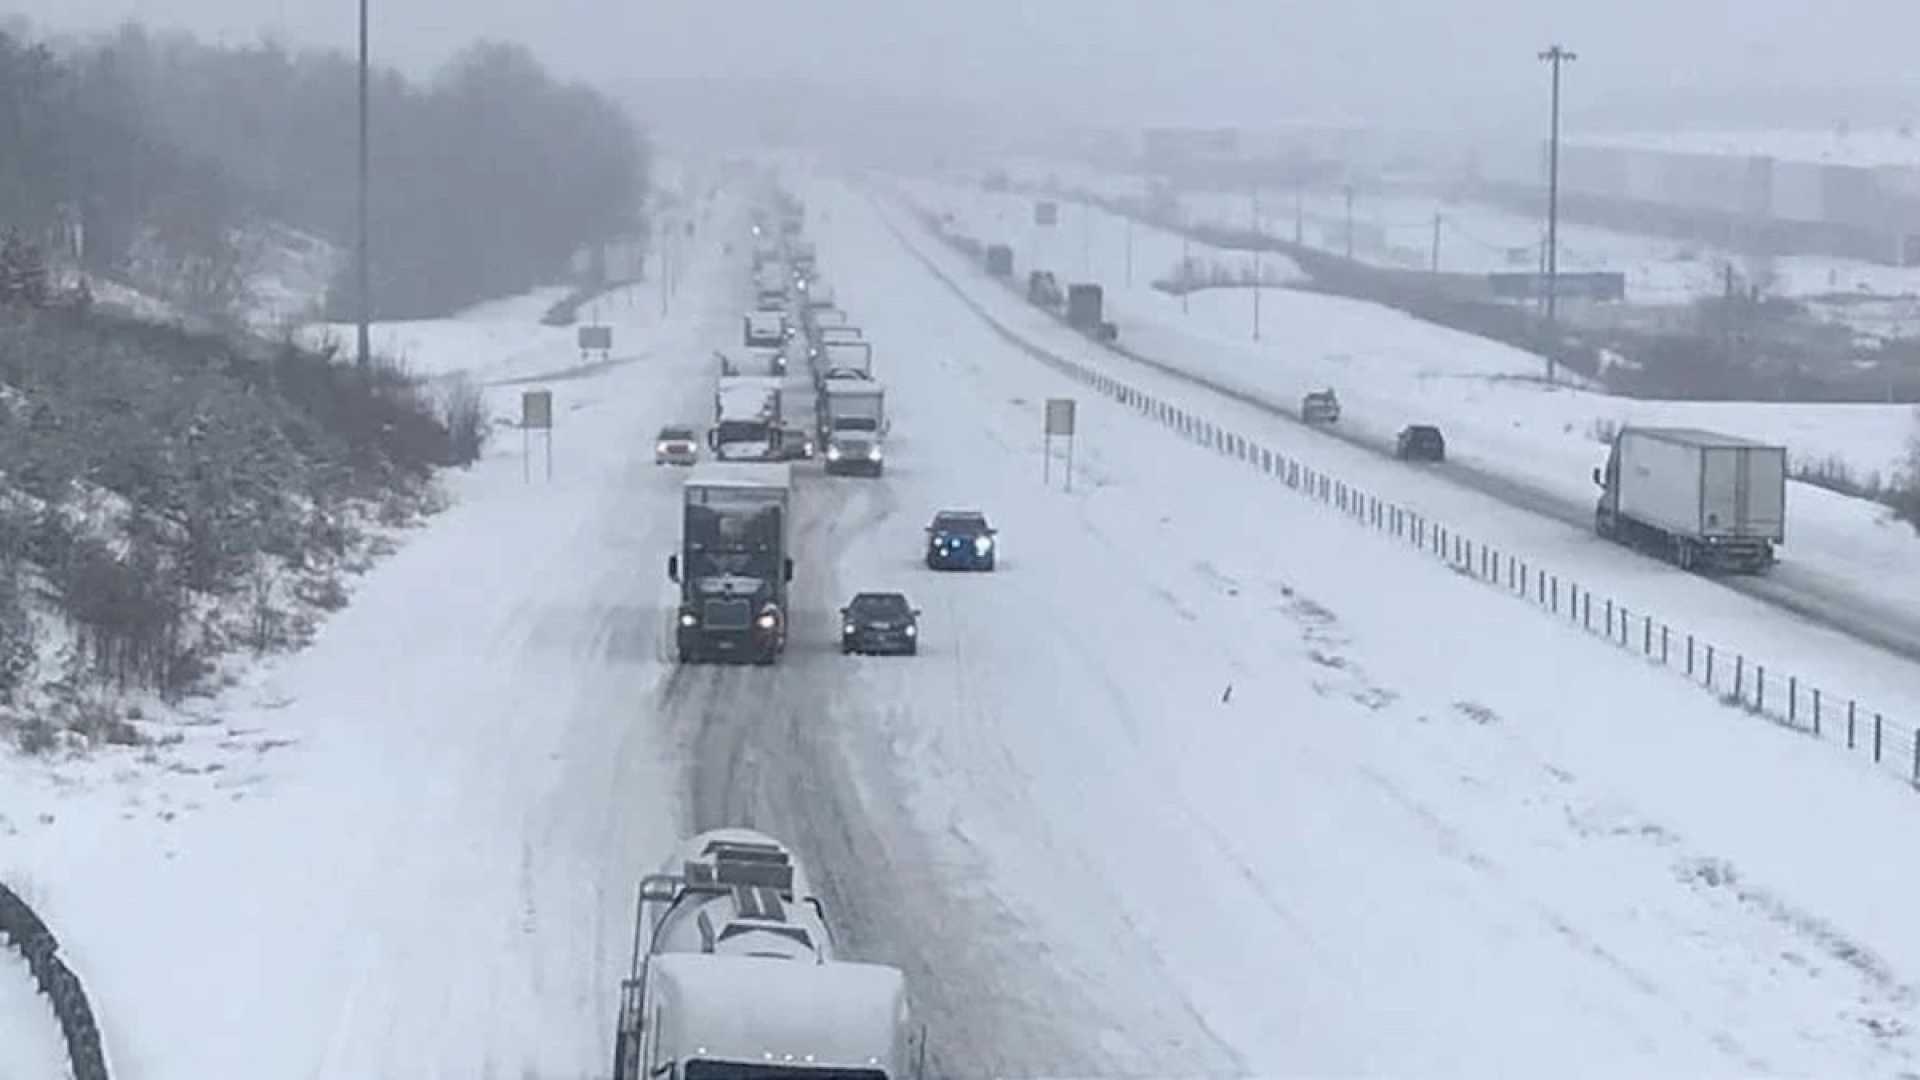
(1855, 195)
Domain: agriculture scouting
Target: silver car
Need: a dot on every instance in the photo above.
(676, 446)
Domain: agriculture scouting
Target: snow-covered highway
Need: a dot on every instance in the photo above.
(1201, 781)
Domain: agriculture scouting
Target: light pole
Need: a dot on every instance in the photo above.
(1258, 238)
(364, 354)
(1556, 56)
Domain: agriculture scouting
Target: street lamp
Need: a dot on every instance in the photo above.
(1556, 56)
(365, 351)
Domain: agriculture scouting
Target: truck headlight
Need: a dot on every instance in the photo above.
(833, 453)
(982, 544)
(766, 620)
(659, 448)
(911, 630)
(687, 618)
(848, 628)
(875, 453)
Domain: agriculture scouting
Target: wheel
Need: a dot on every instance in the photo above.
(1684, 555)
(913, 649)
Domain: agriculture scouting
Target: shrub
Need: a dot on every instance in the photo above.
(463, 409)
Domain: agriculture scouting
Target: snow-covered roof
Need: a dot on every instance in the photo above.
(740, 474)
(1866, 149)
(761, 1011)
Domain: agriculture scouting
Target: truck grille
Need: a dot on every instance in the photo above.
(729, 614)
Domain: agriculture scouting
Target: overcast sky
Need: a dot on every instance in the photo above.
(1423, 61)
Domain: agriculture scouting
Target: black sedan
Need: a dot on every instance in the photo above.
(1420, 442)
(880, 622)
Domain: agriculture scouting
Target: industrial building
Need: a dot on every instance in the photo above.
(1850, 195)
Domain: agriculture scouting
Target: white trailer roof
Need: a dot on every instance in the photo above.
(741, 474)
(745, 1009)
(1699, 437)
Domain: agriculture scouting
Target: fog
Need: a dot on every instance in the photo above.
(1458, 62)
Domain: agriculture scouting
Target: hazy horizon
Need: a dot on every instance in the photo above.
(1469, 63)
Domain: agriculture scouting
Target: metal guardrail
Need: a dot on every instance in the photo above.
(1737, 680)
(28, 934)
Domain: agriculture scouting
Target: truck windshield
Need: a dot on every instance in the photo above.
(743, 541)
(855, 423)
(733, 431)
(730, 1070)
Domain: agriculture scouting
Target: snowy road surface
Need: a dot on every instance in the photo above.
(1848, 564)
(30, 1043)
(1844, 624)
(1201, 781)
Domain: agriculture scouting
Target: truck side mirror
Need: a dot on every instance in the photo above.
(713, 438)
(1597, 482)
(789, 569)
(673, 568)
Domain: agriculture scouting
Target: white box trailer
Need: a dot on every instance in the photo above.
(1701, 498)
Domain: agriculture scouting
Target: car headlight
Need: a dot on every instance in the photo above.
(766, 620)
(848, 628)
(687, 618)
(911, 630)
(875, 454)
(659, 448)
(983, 544)
(833, 453)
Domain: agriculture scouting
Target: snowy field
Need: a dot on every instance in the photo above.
(489, 341)
(30, 1043)
(1396, 229)
(1184, 788)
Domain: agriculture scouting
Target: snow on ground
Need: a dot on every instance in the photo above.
(1195, 744)
(409, 850)
(1850, 555)
(1396, 229)
(30, 1044)
(493, 340)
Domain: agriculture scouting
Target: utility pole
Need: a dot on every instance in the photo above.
(1349, 191)
(1259, 238)
(1186, 267)
(1436, 242)
(1556, 56)
(364, 354)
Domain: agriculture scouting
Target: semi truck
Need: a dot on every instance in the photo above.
(853, 426)
(1085, 304)
(763, 329)
(733, 567)
(843, 359)
(734, 974)
(1701, 499)
(746, 418)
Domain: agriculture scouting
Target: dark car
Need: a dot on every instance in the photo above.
(880, 622)
(796, 444)
(961, 540)
(1420, 442)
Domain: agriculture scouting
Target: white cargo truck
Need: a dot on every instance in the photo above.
(734, 975)
(1701, 499)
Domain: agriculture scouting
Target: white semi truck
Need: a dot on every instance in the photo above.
(746, 418)
(734, 975)
(1701, 499)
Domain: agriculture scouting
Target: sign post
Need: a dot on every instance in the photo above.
(1059, 422)
(595, 338)
(536, 414)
